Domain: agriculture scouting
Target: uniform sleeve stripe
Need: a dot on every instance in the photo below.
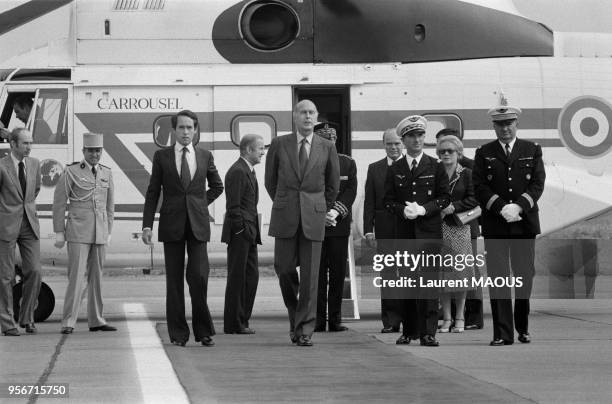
(529, 198)
(491, 201)
(339, 206)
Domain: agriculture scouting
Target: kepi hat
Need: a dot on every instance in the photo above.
(92, 140)
(413, 123)
(325, 129)
(503, 111)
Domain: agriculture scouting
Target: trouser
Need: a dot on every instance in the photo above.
(85, 263)
(334, 254)
(299, 293)
(502, 256)
(242, 280)
(196, 274)
(29, 247)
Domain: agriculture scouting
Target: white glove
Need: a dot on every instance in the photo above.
(413, 210)
(330, 217)
(108, 239)
(59, 239)
(511, 212)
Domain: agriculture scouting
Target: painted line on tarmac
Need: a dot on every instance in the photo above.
(158, 381)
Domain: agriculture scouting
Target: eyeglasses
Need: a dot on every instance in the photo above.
(446, 151)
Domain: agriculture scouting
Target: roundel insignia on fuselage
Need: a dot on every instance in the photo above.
(585, 126)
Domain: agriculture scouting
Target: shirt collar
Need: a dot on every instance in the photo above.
(88, 165)
(511, 144)
(308, 138)
(248, 164)
(178, 148)
(391, 161)
(417, 158)
(15, 161)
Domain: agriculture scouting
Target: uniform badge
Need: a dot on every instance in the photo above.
(429, 192)
(489, 177)
(528, 176)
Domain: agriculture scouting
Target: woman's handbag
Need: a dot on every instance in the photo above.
(467, 216)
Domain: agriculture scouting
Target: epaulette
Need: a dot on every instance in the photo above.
(345, 155)
(73, 163)
(102, 165)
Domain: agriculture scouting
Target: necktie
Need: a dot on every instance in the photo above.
(185, 174)
(94, 171)
(507, 150)
(22, 178)
(303, 156)
(255, 183)
(413, 166)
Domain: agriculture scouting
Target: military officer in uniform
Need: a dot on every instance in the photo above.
(334, 251)
(508, 180)
(416, 190)
(85, 189)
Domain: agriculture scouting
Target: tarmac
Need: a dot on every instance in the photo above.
(568, 361)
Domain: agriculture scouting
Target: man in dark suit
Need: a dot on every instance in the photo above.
(378, 223)
(182, 172)
(241, 233)
(416, 190)
(509, 179)
(19, 186)
(473, 302)
(302, 178)
(334, 251)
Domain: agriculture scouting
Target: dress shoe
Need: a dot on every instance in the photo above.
(30, 328)
(500, 342)
(403, 340)
(319, 328)
(389, 330)
(13, 332)
(473, 327)
(429, 340)
(178, 343)
(524, 337)
(337, 328)
(294, 338)
(104, 327)
(246, 331)
(67, 330)
(304, 340)
(207, 341)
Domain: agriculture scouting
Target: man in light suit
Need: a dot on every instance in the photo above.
(86, 190)
(182, 171)
(381, 225)
(19, 186)
(241, 233)
(302, 178)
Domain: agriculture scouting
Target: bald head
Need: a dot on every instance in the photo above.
(393, 144)
(305, 115)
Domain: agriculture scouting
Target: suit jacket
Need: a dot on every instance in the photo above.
(499, 180)
(376, 218)
(462, 196)
(92, 205)
(297, 200)
(241, 198)
(427, 186)
(13, 203)
(179, 203)
(346, 196)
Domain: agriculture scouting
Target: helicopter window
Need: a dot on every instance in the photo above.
(419, 33)
(269, 25)
(50, 119)
(263, 125)
(163, 133)
(437, 122)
